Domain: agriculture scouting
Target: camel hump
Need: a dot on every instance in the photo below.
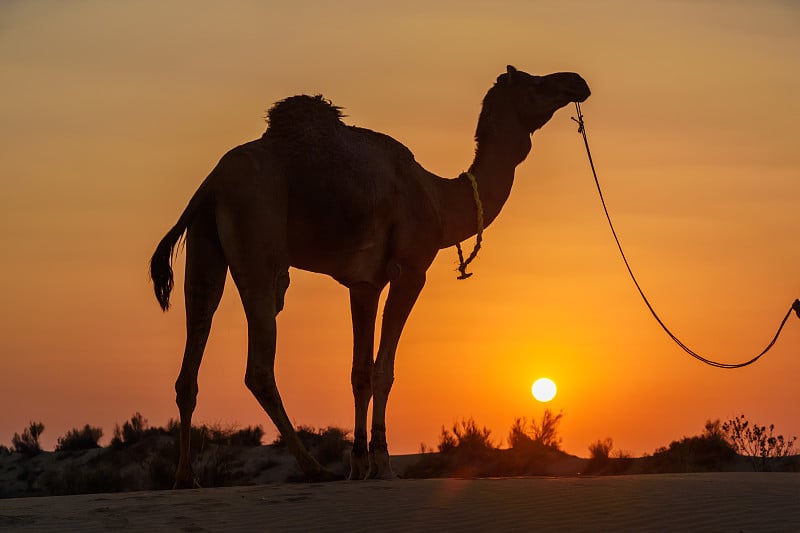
(306, 135)
(299, 116)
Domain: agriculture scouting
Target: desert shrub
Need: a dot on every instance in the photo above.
(603, 461)
(466, 437)
(131, 431)
(307, 435)
(173, 427)
(532, 445)
(466, 450)
(447, 441)
(756, 442)
(601, 450)
(546, 431)
(136, 429)
(537, 434)
(205, 435)
(28, 443)
(327, 445)
(80, 439)
(248, 436)
(215, 434)
(518, 437)
(332, 445)
(703, 453)
(621, 454)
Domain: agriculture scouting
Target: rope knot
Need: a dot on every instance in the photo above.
(462, 263)
(579, 120)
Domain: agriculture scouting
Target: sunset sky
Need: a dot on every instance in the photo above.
(112, 113)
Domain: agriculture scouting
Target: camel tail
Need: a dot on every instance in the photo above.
(161, 266)
(161, 262)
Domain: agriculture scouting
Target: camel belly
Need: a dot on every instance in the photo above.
(346, 265)
(349, 250)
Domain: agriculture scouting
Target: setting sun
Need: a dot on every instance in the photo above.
(544, 389)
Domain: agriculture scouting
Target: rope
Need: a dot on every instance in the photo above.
(794, 307)
(462, 264)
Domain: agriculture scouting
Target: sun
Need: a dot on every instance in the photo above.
(544, 389)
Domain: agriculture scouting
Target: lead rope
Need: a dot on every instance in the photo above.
(794, 307)
(462, 264)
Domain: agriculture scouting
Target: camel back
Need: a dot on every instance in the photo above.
(307, 133)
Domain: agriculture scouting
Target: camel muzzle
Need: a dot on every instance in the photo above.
(570, 84)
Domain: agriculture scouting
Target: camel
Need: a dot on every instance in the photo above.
(318, 195)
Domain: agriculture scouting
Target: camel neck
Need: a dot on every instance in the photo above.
(494, 165)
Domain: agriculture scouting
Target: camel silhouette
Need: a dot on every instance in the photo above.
(319, 195)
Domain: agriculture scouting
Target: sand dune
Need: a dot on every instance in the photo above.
(669, 502)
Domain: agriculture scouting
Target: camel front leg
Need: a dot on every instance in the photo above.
(363, 309)
(403, 293)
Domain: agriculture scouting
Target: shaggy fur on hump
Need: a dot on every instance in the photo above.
(301, 115)
(307, 136)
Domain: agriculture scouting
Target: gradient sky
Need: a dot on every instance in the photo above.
(112, 113)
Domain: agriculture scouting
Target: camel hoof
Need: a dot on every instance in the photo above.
(359, 467)
(379, 467)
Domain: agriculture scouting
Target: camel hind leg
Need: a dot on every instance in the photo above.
(206, 269)
(252, 223)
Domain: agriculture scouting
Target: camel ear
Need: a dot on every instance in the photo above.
(508, 77)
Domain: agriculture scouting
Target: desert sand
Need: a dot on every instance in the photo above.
(739, 502)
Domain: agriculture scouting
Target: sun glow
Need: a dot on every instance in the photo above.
(544, 389)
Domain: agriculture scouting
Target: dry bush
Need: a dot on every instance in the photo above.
(756, 442)
(707, 452)
(80, 439)
(466, 437)
(28, 443)
(601, 450)
(132, 431)
(327, 444)
(537, 434)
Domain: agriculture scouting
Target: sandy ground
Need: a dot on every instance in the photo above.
(737, 502)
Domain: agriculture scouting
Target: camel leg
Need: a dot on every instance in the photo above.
(203, 286)
(260, 309)
(403, 293)
(261, 304)
(252, 223)
(363, 309)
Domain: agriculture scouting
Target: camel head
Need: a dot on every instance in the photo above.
(536, 98)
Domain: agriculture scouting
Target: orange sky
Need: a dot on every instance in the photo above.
(112, 114)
